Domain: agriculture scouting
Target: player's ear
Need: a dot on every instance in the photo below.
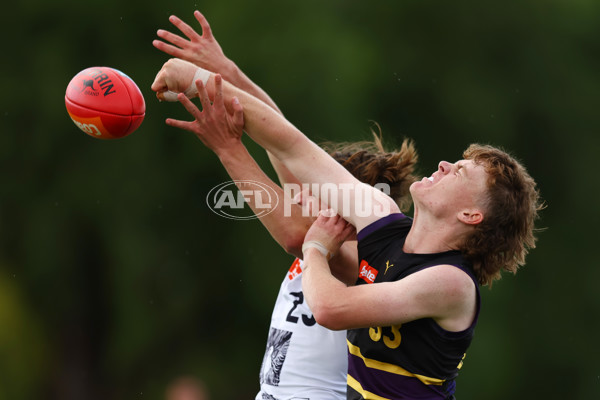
(471, 216)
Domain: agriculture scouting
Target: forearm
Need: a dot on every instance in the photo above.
(283, 174)
(238, 78)
(265, 125)
(309, 163)
(302, 157)
(344, 265)
(233, 74)
(285, 223)
(322, 290)
(305, 159)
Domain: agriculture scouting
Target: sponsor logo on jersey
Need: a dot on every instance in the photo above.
(387, 266)
(295, 269)
(366, 272)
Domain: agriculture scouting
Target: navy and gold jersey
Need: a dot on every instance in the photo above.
(415, 360)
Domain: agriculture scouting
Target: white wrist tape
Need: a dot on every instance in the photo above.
(317, 245)
(191, 91)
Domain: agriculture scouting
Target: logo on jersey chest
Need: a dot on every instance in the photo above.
(366, 272)
(387, 266)
(295, 269)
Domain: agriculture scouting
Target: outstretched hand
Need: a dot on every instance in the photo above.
(201, 50)
(214, 125)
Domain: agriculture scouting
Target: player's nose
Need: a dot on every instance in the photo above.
(444, 167)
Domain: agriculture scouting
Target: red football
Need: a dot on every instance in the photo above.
(105, 103)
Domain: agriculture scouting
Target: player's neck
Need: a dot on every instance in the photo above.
(433, 235)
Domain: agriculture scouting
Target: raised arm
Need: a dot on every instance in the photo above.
(221, 132)
(205, 51)
(306, 160)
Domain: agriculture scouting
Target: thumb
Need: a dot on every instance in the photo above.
(158, 87)
(159, 84)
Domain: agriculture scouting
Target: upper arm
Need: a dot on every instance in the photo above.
(357, 202)
(286, 225)
(444, 293)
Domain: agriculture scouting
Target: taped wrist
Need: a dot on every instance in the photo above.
(191, 91)
(317, 245)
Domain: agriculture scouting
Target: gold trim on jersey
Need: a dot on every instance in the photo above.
(354, 384)
(391, 368)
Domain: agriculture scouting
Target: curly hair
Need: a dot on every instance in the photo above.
(506, 234)
(371, 163)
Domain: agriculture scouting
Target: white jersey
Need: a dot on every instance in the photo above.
(303, 360)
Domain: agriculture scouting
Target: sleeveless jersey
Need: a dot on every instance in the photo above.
(303, 360)
(414, 360)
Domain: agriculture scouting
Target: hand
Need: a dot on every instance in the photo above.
(179, 76)
(201, 50)
(175, 75)
(330, 230)
(214, 126)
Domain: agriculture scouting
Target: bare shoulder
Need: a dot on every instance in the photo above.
(444, 282)
(449, 279)
(450, 294)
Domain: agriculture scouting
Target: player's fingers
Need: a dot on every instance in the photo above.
(238, 112)
(321, 219)
(171, 37)
(339, 224)
(189, 106)
(335, 219)
(219, 91)
(348, 231)
(183, 27)
(202, 94)
(327, 214)
(179, 124)
(206, 31)
(167, 48)
(159, 83)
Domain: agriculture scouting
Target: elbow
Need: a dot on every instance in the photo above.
(327, 317)
(293, 245)
(293, 240)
